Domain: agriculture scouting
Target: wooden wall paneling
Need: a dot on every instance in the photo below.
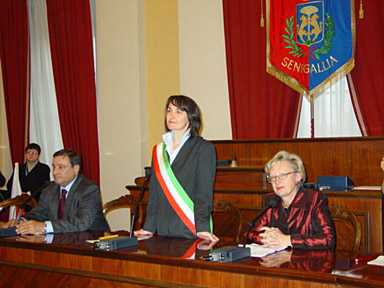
(356, 157)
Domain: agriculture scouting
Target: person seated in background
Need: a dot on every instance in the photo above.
(69, 204)
(2, 179)
(2, 183)
(382, 168)
(32, 174)
(298, 217)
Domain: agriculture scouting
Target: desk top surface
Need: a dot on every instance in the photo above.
(319, 265)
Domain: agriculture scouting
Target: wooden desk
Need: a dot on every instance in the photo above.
(367, 205)
(158, 262)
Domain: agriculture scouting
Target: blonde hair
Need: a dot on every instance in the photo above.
(294, 160)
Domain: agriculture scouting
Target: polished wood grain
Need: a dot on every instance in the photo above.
(225, 212)
(348, 228)
(23, 199)
(126, 201)
(251, 177)
(356, 157)
(160, 262)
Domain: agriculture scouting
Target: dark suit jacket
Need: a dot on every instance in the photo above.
(195, 168)
(2, 180)
(307, 220)
(3, 193)
(33, 181)
(83, 209)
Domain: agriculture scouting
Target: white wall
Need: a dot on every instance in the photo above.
(122, 134)
(203, 74)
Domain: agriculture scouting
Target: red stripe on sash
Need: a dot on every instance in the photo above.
(191, 250)
(168, 194)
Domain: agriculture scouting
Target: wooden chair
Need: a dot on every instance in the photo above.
(126, 201)
(23, 199)
(348, 228)
(227, 221)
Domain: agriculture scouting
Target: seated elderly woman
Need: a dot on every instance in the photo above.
(298, 217)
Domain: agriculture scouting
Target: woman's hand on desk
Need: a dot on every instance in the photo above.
(208, 236)
(205, 244)
(143, 234)
(274, 238)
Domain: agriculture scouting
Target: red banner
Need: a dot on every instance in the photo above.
(310, 42)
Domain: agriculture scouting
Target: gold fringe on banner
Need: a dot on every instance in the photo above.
(296, 85)
(262, 14)
(317, 91)
(361, 10)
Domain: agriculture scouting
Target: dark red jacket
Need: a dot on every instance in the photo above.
(307, 220)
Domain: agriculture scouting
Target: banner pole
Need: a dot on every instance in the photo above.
(312, 103)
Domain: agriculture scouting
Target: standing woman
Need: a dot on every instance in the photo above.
(183, 173)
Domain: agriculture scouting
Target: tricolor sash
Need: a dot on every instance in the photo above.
(175, 193)
(190, 254)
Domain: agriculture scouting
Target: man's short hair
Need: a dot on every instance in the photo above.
(33, 146)
(73, 156)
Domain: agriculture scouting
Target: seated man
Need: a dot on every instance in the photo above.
(32, 174)
(69, 204)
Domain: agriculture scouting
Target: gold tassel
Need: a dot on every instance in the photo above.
(262, 14)
(361, 10)
(262, 21)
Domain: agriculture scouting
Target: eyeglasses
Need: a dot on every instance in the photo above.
(282, 176)
(31, 152)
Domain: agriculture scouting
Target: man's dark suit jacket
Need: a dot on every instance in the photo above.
(83, 209)
(2, 180)
(33, 181)
(195, 169)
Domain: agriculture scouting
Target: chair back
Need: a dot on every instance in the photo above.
(227, 220)
(348, 228)
(125, 202)
(23, 199)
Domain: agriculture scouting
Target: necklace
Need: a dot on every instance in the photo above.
(285, 205)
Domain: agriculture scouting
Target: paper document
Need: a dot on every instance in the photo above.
(259, 251)
(378, 261)
(378, 188)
